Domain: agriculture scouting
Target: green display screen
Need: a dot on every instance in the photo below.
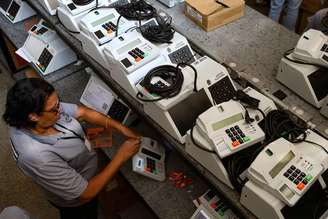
(282, 163)
(102, 20)
(227, 121)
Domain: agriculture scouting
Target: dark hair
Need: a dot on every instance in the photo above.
(27, 96)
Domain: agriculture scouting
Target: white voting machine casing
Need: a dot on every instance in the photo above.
(149, 161)
(214, 86)
(16, 10)
(284, 170)
(211, 161)
(99, 27)
(70, 13)
(129, 57)
(312, 47)
(212, 207)
(225, 126)
(45, 49)
(308, 81)
(264, 202)
(98, 96)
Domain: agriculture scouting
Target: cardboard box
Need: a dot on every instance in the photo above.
(211, 14)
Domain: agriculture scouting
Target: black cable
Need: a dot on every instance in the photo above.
(161, 33)
(137, 10)
(117, 24)
(279, 124)
(169, 73)
(82, 2)
(182, 64)
(314, 143)
(197, 145)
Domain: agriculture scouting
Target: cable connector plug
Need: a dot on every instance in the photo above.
(245, 98)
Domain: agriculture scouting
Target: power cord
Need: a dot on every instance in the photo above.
(161, 33)
(196, 144)
(82, 2)
(278, 124)
(137, 10)
(316, 144)
(173, 75)
(251, 103)
(169, 73)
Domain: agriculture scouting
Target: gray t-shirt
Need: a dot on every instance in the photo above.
(61, 164)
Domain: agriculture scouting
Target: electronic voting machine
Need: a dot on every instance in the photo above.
(45, 49)
(149, 161)
(284, 170)
(212, 162)
(312, 47)
(71, 12)
(225, 126)
(16, 10)
(99, 27)
(128, 57)
(213, 84)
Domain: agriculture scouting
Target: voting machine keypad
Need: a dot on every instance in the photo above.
(118, 111)
(44, 59)
(153, 166)
(222, 90)
(71, 6)
(13, 10)
(110, 27)
(324, 48)
(218, 207)
(137, 54)
(237, 136)
(182, 55)
(298, 177)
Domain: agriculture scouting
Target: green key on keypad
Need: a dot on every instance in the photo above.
(308, 177)
(246, 138)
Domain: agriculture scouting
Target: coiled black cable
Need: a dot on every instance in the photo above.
(161, 33)
(137, 10)
(82, 2)
(169, 73)
(173, 75)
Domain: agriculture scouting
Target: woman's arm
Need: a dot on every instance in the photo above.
(94, 117)
(125, 151)
(97, 183)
